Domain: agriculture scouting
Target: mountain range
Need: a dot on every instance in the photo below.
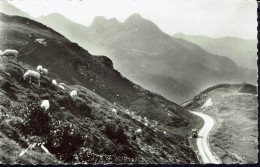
(242, 51)
(172, 67)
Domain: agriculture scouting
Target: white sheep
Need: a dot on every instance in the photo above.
(74, 94)
(61, 85)
(45, 71)
(138, 131)
(30, 74)
(45, 105)
(10, 52)
(164, 132)
(146, 124)
(114, 111)
(54, 82)
(39, 68)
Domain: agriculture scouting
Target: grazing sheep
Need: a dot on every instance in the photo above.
(74, 94)
(39, 68)
(146, 124)
(10, 52)
(54, 82)
(45, 105)
(30, 74)
(60, 86)
(138, 131)
(45, 71)
(114, 111)
(164, 132)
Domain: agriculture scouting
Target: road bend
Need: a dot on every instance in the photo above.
(203, 139)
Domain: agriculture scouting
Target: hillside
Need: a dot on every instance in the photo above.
(84, 130)
(172, 67)
(10, 9)
(234, 107)
(243, 52)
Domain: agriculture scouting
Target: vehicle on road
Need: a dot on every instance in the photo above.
(194, 133)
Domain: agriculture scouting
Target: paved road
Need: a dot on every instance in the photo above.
(202, 140)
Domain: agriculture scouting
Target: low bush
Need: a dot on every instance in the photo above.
(37, 121)
(64, 140)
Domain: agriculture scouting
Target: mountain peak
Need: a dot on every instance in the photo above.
(99, 20)
(134, 17)
(53, 16)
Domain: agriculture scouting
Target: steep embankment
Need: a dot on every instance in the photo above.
(82, 130)
(234, 108)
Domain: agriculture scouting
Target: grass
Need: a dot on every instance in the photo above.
(76, 129)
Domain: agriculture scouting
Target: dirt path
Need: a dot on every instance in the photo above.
(202, 140)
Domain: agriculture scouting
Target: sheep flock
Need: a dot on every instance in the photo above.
(45, 104)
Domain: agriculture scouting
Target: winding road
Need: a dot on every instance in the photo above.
(202, 140)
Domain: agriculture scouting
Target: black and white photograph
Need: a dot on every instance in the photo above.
(128, 82)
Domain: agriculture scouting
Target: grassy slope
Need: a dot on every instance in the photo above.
(234, 139)
(95, 130)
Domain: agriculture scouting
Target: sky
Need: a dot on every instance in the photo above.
(214, 18)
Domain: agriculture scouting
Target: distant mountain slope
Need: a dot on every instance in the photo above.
(241, 51)
(10, 9)
(61, 24)
(172, 67)
(101, 88)
(234, 108)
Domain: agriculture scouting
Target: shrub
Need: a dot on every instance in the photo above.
(64, 141)
(37, 121)
(115, 132)
(87, 155)
(6, 85)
